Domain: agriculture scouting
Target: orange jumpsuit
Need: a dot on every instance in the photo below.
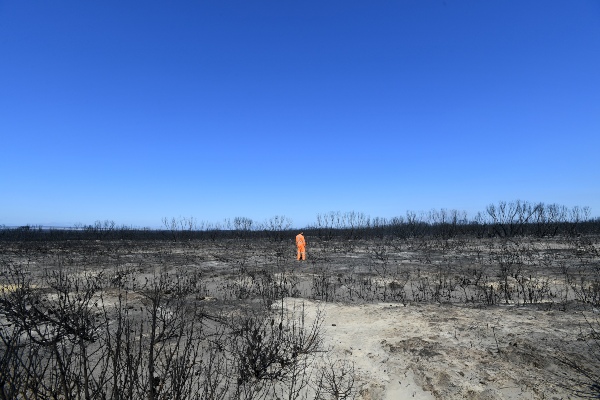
(301, 244)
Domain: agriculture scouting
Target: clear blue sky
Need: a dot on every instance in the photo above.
(137, 110)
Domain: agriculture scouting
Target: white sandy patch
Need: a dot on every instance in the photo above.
(441, 352)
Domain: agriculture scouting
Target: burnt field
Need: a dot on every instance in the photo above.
(237, 317)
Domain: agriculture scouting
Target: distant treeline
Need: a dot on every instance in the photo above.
(504, 219)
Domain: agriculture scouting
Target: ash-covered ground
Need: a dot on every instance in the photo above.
(423, 318)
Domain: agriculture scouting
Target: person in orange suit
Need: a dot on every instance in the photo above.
(301, 244)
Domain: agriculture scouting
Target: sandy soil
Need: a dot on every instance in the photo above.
(429, 351)
(421, 350)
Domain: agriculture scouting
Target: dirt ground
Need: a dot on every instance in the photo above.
(472, 319)
(444, 351)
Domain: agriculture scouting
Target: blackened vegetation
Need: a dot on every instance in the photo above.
(504, 219)
(196, 310)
